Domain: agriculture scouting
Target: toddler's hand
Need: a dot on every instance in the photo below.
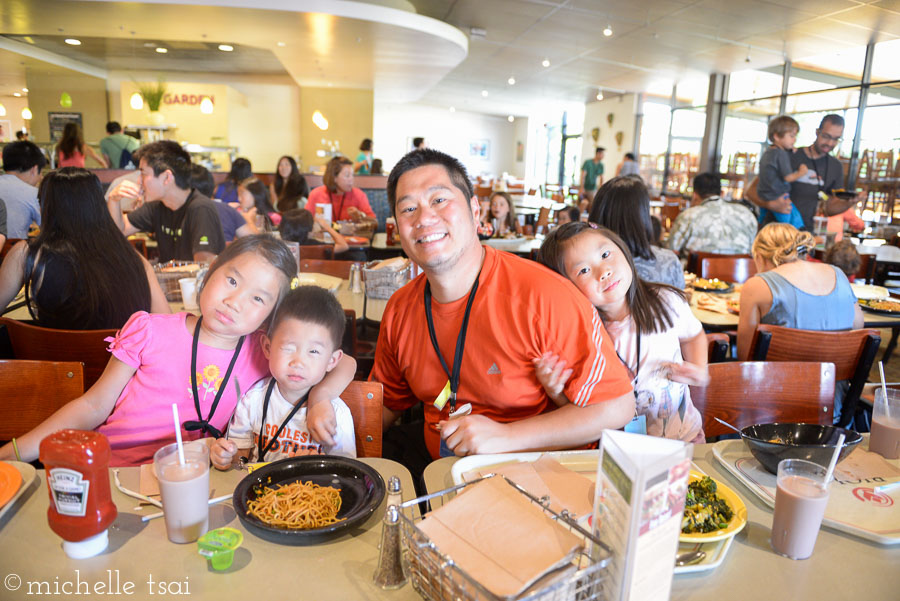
(552, 374)
(688, 373)
(322, 423)
(802, 169)
(222, 452)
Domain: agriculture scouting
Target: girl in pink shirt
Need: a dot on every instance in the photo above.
(201, 363)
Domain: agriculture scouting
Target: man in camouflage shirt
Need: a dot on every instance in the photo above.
(714, 225)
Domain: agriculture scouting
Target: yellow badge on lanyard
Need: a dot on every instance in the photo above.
(443, 397)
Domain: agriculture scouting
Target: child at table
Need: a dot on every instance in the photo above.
(775, 175)
(503, 214)
(655, 334)
(302, 345)
(199, 363)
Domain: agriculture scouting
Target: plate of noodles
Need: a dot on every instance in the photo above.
(308, 500)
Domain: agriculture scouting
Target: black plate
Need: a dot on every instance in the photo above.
(362, 489)
(864, 305)
(845, 195)
(714, 290)
(812, 442)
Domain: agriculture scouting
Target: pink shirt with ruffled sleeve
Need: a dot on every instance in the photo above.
(158, 346)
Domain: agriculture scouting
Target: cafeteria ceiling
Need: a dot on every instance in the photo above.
(441, 52)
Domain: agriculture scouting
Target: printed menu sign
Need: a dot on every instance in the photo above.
(641, 486)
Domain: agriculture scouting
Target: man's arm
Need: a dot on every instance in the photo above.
(836, 206)
(779, 205)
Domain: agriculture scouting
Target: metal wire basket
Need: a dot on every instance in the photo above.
(170, 272)
(382, 283)
(436, 577)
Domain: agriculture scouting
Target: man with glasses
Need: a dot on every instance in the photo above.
(824, 174)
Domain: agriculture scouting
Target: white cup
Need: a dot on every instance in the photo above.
(184, 490)
(188, 292)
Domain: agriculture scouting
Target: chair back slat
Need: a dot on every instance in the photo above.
(47, 344)
(719, 345)
(695, 256)
(316, 251)
(338, 269)
(365, 402)
(33, 390)
(728, 269)
(744, 393)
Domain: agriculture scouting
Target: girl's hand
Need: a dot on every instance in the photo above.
(552, 374)
(688, 373)
(222, 452)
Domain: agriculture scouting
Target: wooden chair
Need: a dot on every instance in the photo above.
(33, 390)
(728, 269)
(483, 192)
(744, 393)
(719, 345)
(542, 225)
(139, 245)
(852, 353)
(316, 251)
(695, 256)
(338, 269)
(365, 401)
(46, 344)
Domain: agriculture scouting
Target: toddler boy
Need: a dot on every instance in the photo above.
(302, 345)
(775, 175)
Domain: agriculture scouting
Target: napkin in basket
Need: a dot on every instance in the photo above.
(499, 537)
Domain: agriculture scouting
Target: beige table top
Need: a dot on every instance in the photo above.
(379, 242)
(841, 567)
(341, 569)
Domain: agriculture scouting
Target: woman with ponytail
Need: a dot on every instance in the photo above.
(790, 291)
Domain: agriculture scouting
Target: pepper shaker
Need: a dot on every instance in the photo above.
(389, 573)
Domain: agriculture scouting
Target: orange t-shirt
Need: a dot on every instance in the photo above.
(521, 310)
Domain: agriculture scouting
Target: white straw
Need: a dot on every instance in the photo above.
(887, 412)
(834, 457)
(213, 501)
(178, 434)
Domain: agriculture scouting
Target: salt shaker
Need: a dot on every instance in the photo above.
(355, 278)
(389, 573)
(395, 494)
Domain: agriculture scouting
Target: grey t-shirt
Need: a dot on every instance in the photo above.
(665, 268)
(2, 218)
(774, 166)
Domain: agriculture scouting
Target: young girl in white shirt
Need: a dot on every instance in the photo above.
(656, 336)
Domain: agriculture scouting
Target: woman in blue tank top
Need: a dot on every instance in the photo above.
(790, 291)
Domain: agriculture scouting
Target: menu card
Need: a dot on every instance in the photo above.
(641, 486)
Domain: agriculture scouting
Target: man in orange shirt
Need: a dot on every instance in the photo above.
(470, 328)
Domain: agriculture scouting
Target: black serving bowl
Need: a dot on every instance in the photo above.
(798, 441)
(362, 489)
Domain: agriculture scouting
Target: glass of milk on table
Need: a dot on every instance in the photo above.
(800, 500)
(184, 489)
(885, 436)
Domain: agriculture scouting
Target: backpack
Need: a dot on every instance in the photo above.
(125, 159)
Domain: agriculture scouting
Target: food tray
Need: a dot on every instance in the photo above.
(29, 475)
(382, 283)
(169, 273)
(366, 229)
(437, 578)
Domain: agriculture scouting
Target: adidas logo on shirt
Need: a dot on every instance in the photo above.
(494, 370)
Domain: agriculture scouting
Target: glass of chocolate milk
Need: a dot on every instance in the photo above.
(184, 490)
(800, 500)
(885, 436)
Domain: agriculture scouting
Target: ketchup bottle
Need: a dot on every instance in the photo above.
(389, 226)
(81, 509)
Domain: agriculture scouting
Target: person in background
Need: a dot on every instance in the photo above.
(629, 166)
(419, 144)
(623, 205)
(233, 223)
(844, 255)
(241, 169)
(71, 149)
(80, 273)
(2, 224)
(302, 345)
(503, 215)
(712, 224)
(836, 223)
(363, 164)
(568, 215)
(288, 189)
(117, 148)
(297, 225)
(21, 136)
(348, 203)
(253, 199)
(656, 336)
(591, 174)
(657, 231)
(377, 168)
(185, 222)
(22, 164)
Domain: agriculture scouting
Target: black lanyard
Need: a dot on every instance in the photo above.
(460, 340)
(637, 369)
(273, 441)
(820, 176)
(337, 217)
(203, 424)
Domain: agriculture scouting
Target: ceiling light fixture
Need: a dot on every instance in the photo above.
(161, 50)
(546, 62)
(25, 90)
(73, 42)
(2, 110)
(225, 48)
(608, 31)
(206, 106)
(319, 119)
(452, 109)
(599, 94)
(510, 118)
(511, 81)
(26, 114)
(137, 101)
(17, 94)
(484, 93)
(747, 60)
(281, 44)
